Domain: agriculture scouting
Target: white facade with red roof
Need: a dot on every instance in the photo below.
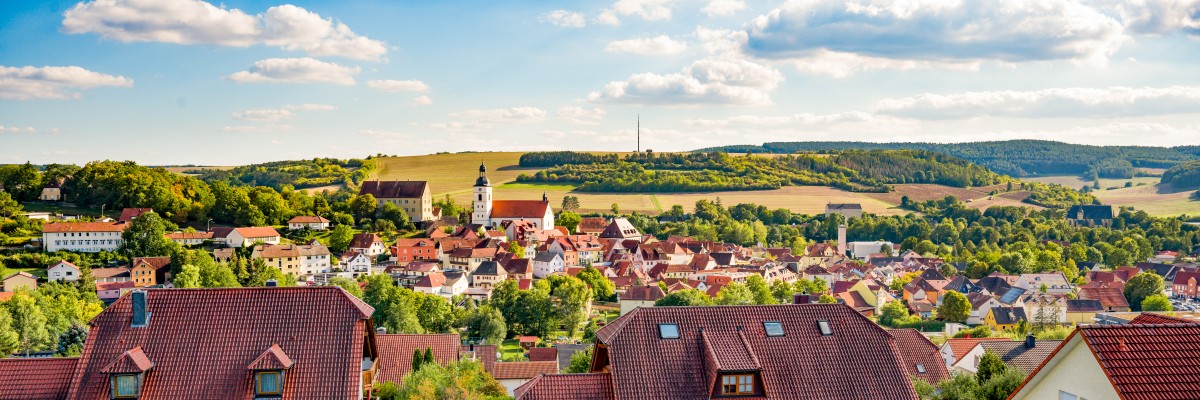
(84, 237)
(489, 212)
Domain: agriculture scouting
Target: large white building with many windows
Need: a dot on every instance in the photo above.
(84, 237)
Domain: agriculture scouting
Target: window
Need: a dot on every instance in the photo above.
(826, 330)
(268, 383)
(125, 386)
(920, 368)
(1068, 396)
(737, 384)
(668, 331)
(773, 329)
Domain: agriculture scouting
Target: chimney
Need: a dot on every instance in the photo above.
(842, 240)
(141, 315)
(1030, 341)
(272, 283)
(381, 330)
(800, 298)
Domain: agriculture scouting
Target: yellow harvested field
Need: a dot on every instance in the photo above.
(1156, 200)
(451, 173)
(1076, 182)
(799, 199)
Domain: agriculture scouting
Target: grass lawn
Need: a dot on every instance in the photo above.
(59, 208)
(511, 348)
(38, 272)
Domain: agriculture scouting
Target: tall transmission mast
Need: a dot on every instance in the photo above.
(639, 132)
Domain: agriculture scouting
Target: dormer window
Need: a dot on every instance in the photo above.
(268, 383)
(668, 331)
(737, 385)
(125, 386)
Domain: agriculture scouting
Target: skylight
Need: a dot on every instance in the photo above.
(920, 368)
(668, 331)
(773, 328)
(826, 330)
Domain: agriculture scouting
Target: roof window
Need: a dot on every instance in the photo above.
(668, 331)
(773, 329)
(826, 330)
(920, 368)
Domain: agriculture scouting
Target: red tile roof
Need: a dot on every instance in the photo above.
(308, 219)
(323, 328)
(273, 358)
(829, 367)
(523, 369)
(62, 227)
(597, 386)
(189, 235)
(1156, 318)
(1110, 297)
(1015, 354)
(393, 189)
(129, 214)
(543, 354)
(35, 378)
(959, 347)
(257, 232)
(1148, 362)
(915, 349)
(152, 262)
(396, 350)
(1182, 277)
(364, 240)
(131, 361)
(643, 293)
(520, 209)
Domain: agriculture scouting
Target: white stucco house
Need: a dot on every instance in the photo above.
(62, 271)
(547, 263)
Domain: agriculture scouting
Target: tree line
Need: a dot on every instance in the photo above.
(316, 172)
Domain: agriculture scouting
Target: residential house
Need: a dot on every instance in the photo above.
(547, 263)
(956, 348)
(1134, 361)
(356, 263)
(150, 271)
(409, 275)
(223, 255)
(489, 274)
(980, 305)
(243, 237)
(1045, 307)
(413, 197)
(312, 222)
(742, 351)
(922, 359)
(1055, 283)
(592, 386)
(1090, 215)
(1112, 299)
(640, 296)
(591, 226)
(189, 238)
(409, 250)
(1186, 284)
(1025, 356)
(468, 258)
(519, 268)
(84, 237)
(512, 375)
(129, 214)
(1005, 318)
(298, 260)
(109, 292)
(19, 280)
(621, 229)
(144, 346)
(848, 210)
(52, 191)
(396, 352)
(115, 274)
(1082, 311)
(864, 250)
(63, 271)
(369, 244)
(446, 284)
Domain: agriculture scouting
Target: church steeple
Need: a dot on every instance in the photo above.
(544, 198)
(483, 180)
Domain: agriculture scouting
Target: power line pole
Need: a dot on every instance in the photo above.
(639, 132)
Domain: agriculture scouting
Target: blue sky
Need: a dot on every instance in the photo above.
(187, 81)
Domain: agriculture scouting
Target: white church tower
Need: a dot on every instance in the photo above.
(483, 199)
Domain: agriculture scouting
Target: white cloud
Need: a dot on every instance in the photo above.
(932, 33)
(717, 8)
(421, 101)
(563, 18)
(389, 85)
(476, 120)
(276, 114)
(787, 120)
(17, 130)
(311, 107)
(26, 83)
(661, 44)
(706, 81)
(1155, 16)
(581, 116)
(1117, 101)
(197, 22)
(649, 10)
(296, 70)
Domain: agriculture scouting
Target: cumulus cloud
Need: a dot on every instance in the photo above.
(563, 18)
(716, 8)
(421, 101)
(475, 120)
(296, 70)
(661, 44)
(26, 83)
(649, 10)
(581, 116)
(1117, 101)
(925, 33)
(276, 114)
(388, 85)
(18, 130)
(197, 22)
(786, 120)
(706, 81)
(1155, 17)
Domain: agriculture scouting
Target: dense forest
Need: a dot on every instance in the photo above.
(299, 174)
(1014, 157)
(1183, 176)
(859, 171)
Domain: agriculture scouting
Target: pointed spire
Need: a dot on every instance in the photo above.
(544, 197)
